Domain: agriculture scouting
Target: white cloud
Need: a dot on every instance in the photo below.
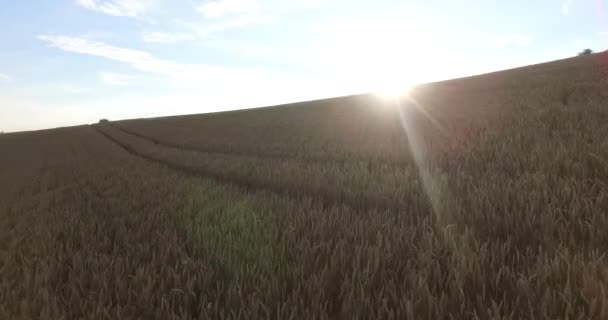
(257, 84)
(5, 77)
(199, 75)
(118, 8)
(115, 79)
(220, 8)
(565, 9)
(140, 60)
(512, 40)
(165, 37)
(200, 87)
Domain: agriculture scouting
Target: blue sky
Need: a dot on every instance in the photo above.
(68, 62)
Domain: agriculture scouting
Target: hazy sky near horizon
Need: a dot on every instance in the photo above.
(68, 62)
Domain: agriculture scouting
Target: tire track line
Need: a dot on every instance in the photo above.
(398, 164)
(252, 185)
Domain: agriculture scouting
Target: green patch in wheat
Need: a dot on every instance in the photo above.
(225, 229)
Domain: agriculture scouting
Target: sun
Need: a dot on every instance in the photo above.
(393, 89)
(392, 80)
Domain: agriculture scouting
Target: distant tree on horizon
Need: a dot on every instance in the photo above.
(585, 52)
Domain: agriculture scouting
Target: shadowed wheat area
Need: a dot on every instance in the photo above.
(475, 198)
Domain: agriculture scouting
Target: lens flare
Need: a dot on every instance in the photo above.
(434, 179)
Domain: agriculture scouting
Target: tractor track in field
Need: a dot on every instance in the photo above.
(392, 163)
(355, 202)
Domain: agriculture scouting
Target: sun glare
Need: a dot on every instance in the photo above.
(393, 90)
(382, 55)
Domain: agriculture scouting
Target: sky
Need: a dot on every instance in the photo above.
(70, 62)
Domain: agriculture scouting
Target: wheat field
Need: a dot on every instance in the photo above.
(475, 198)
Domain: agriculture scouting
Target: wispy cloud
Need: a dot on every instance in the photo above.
(512, 40)
(565, 8)
(194, 74)
(140, 60)
(209, 85)
(221, 8)
(166, 37)
(5, 77)
(115, 79)
(118, 8)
